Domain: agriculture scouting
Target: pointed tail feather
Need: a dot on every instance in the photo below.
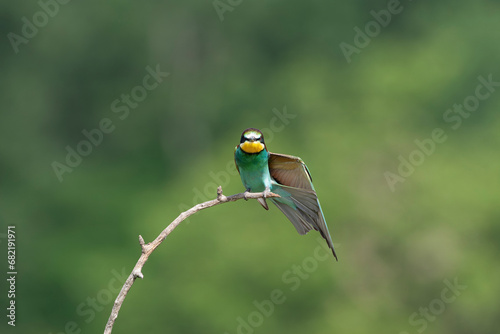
(263, 202)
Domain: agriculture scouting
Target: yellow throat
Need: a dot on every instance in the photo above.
(252, 147)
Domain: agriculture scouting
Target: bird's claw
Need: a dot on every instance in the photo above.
(266, 192)
(245, 194)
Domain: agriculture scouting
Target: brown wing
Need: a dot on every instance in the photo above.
(289, 171)
(294, 177)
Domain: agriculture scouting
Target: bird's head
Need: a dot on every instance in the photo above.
(252, 141)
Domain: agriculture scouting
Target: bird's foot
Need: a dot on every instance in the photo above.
(245, 194)
(266, 192)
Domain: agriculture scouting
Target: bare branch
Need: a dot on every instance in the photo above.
(147, 249)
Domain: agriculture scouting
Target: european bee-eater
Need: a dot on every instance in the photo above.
(285, 175)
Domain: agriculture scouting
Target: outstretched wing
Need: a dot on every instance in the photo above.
(294, 178)
(290, 171)
(305, 214)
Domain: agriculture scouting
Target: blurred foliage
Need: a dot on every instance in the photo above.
(351, 123)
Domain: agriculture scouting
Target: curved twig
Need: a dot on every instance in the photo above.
(147, 249)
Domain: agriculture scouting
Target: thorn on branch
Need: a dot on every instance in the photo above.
(141, 242)
(138, 273)
(220, 196)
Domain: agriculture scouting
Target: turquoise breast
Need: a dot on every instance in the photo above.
(254, 169)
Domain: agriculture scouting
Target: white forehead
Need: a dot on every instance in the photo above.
(252, 135)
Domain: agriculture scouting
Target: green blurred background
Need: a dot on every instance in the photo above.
(350, 122)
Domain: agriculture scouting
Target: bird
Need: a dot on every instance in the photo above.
(284, 175)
